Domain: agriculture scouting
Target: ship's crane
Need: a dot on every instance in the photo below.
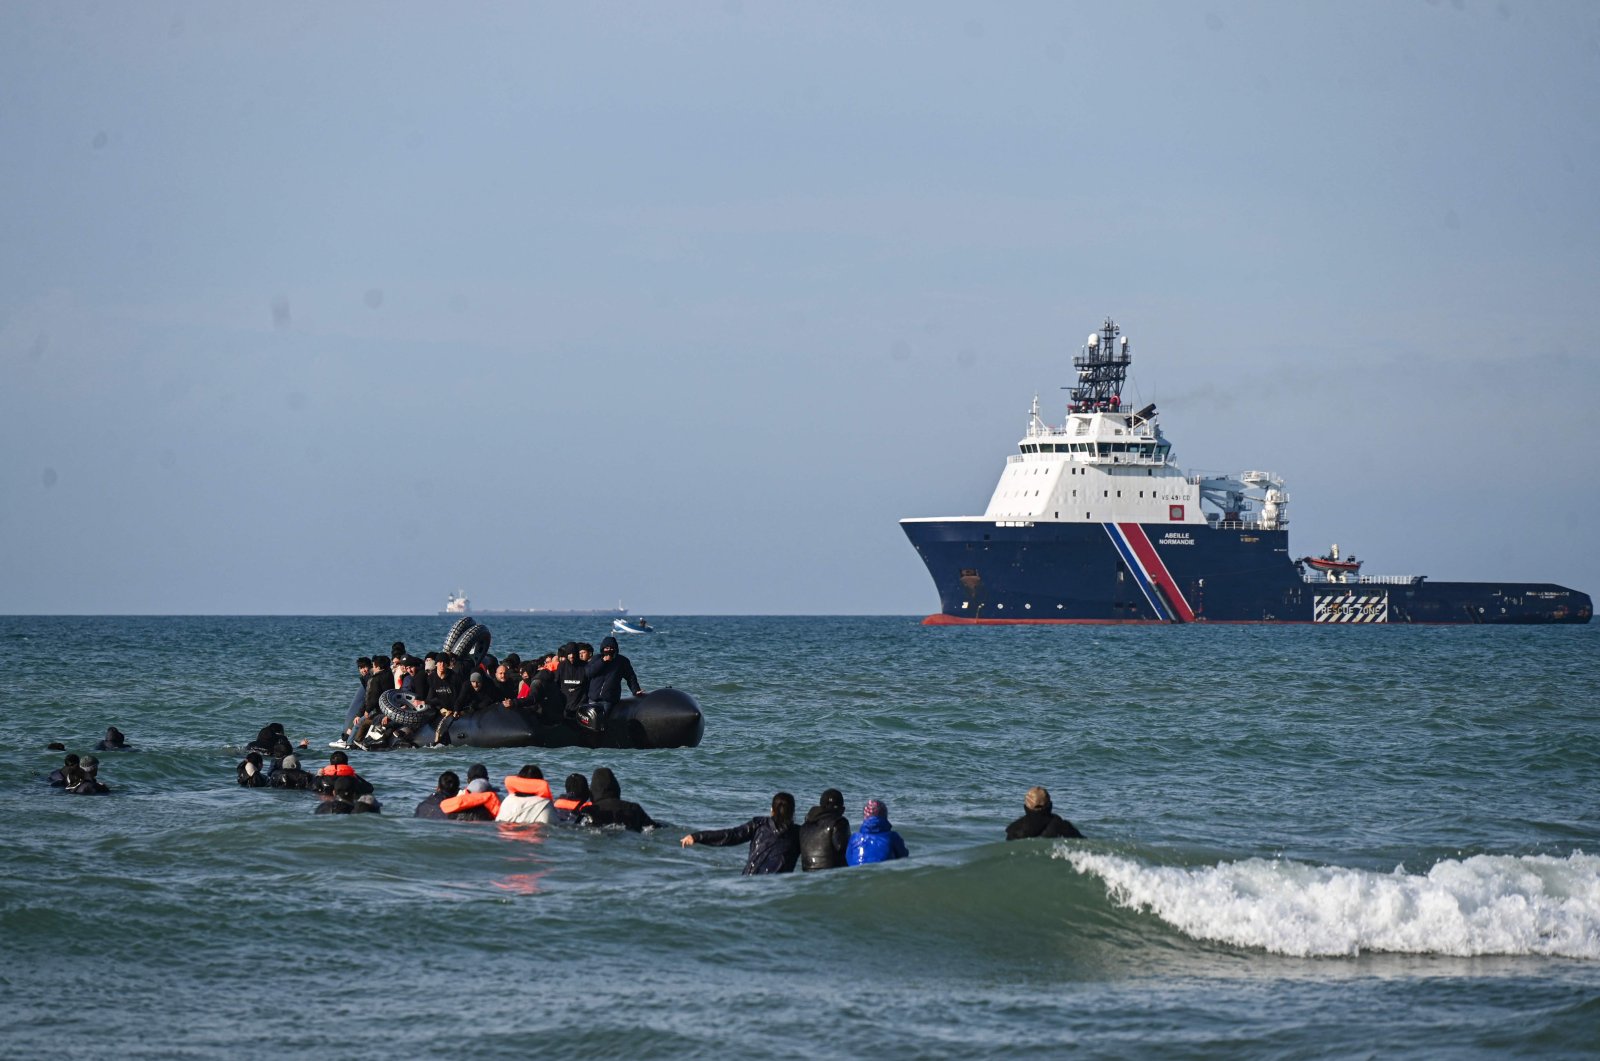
(1233, 496)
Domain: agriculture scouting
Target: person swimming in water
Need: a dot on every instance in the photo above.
(68, 769)
(825, 834)
(774, 839)
(1039, 820)
(114, 741)
(250, 772)
(528, 800)
(87, 782)
(609, 808)
(875, 841)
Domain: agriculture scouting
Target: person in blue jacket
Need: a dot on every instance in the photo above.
(875, 841)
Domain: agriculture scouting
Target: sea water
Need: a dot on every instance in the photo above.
(1301, 841)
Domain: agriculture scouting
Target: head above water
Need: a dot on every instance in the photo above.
(577, 786)
(478, 784)
(832, 799)
(1038, 798)
(782, 810)
(114, 735)
(531, 770)
(477, 770)
(449, 783)
(875, 808)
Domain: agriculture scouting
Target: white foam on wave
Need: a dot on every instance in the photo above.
(1483, 905)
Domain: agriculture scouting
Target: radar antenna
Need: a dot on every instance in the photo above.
(1102, 371)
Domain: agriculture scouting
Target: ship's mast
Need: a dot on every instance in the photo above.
(1102, 370)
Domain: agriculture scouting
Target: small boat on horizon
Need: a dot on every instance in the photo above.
(635, 626)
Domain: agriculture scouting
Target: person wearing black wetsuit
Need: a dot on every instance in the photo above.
(571, 680)
(69, 768)
(825, 834)
(250, 772)
(1038, 820)
(114, 741)
(609, 808)
(449, 785)
(605, 676)
(338, 798)
(87, 780)
(774, 840)
(287, 774)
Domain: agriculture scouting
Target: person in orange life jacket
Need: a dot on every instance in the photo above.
(250, 772)
(609, 808)
(605, 676)
(337, 798)
(479, 803)
(825, 834)
(528, 800)
(774, 841)
(571, 804)
(339, 766)
(875, 841)
(86, 782)
(1038, 820)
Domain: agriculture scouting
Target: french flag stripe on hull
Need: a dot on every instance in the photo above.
(1155, 569)
(1139, 575)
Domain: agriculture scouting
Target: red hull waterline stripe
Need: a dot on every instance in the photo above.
(1155, 568)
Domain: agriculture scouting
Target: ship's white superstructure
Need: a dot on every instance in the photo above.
(1109, 464)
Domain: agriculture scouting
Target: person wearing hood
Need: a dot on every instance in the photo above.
(571, 804)
(826, 833)
(86, 782)
(481, 693)
(479, 803)
(1039, 820)
(367, 804)
(114, 741)
(528, 800)
(250, 772)
(570, 678)
(605, 676)
(287, 774)
(68, 768)
(270, 735)
(875, 841)
(774, 840)
(609, 808)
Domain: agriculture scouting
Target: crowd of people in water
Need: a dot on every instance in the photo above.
(572, 682)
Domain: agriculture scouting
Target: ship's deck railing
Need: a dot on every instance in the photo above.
(1084, 458)
(1250, 524)
(1363, 580)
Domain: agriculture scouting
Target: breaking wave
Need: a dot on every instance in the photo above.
(1477, 906)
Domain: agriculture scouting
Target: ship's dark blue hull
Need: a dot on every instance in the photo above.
(1152, 573)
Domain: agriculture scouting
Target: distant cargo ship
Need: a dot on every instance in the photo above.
(1091, 522)
(458, 604)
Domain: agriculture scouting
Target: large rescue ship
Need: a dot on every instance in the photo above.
(1092, 522)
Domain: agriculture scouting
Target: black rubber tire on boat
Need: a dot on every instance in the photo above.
(457, 632)
(401, 707)
(475, 643)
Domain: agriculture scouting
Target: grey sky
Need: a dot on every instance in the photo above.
(335, 308)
